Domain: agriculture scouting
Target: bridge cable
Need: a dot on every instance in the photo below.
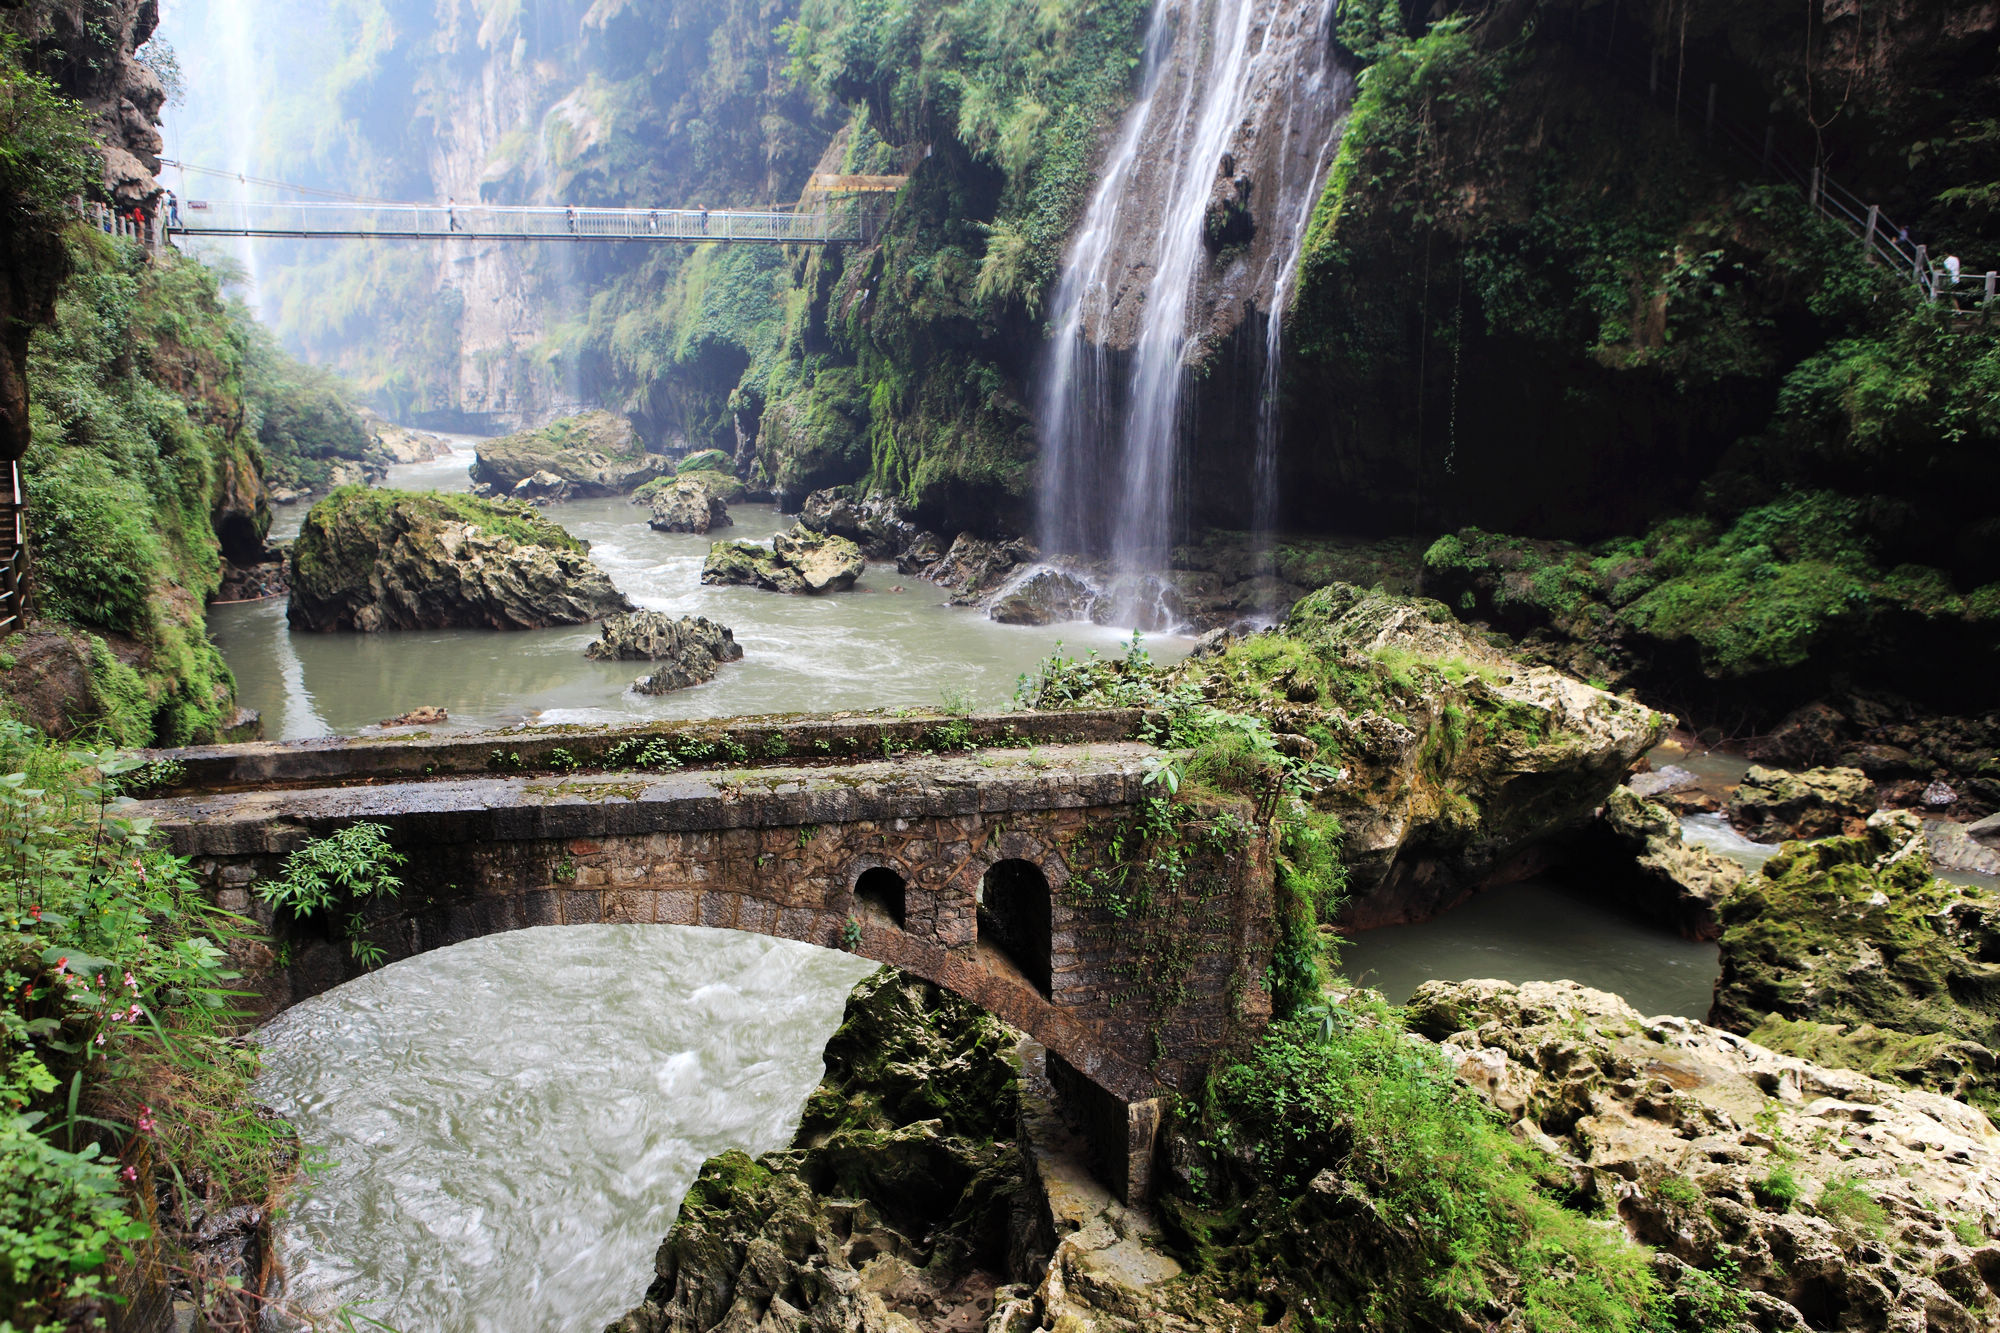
(248, 179)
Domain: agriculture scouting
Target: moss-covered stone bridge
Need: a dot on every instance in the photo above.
(972, 852)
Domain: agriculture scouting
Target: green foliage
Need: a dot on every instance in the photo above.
(1779, 1189)
(1344, 1101)
(301, 416)
(337, 875)
(1849, 1203)
(137, 423)
(46, 155)
(113, 1033)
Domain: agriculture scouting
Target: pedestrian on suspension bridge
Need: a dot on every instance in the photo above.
(451, 214)
(569, 216)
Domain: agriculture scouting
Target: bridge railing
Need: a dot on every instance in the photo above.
(835, 221)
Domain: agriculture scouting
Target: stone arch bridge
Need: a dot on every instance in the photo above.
(963, 850)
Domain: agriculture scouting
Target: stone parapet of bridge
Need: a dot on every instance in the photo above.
(978, 853)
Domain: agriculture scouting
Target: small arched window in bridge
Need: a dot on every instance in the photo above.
(1017, 917)
(880, 891)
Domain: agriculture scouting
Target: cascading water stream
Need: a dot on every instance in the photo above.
(1241, 97)
(235, 39)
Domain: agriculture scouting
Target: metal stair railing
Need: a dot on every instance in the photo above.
(1881, 238)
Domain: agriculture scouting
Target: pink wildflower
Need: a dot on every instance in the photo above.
(145, 1120)
(131, 1173)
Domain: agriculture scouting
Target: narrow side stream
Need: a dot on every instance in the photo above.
(511, 1123)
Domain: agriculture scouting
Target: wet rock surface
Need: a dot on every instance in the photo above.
(1854, 938)
(883, 526)
(1046, 597)
(1459, 765)
(1841, 1201)
(388, 560)
(798, 561)
(1771, 805)
(687, 504)
(595, 453)
(689, 650)
(893, 1206)
(1677, 883)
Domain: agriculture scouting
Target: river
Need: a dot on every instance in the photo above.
(509, 1124)
(891, 642)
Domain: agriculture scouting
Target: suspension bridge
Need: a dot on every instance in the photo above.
(829, 222)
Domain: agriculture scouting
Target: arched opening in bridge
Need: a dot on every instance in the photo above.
(1017, 917)
(881, 889)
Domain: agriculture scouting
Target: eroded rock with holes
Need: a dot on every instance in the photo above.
(1771, 805)
(1842, 1202)
(1864, 954)
(687, 504)
(799, 561)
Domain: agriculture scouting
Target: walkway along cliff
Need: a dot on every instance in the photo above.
(982, 854)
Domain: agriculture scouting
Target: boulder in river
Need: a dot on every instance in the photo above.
(1678, 883)
(689, 650)
(542, 488)
(705, 460)
(597, 453)
(902, 1168)
(799, 561)
(722, 485)
(686, 504)
(384, 560)
(1771, 805)
(883, 526)
(1046, 597)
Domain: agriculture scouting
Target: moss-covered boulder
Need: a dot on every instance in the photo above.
(893, 1201)
(1456, 761)
(597, 453)
(686, 504)
(1775, 1193)
(385, 560)
(726, 488)
(705, 460)
(1855, 937)
(799, 561)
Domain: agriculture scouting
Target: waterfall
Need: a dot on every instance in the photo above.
(1239, 107)
(230, 21)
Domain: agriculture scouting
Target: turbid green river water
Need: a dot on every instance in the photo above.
(511, 1123)
(889, 643)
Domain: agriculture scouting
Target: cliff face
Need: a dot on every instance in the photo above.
(91, 61)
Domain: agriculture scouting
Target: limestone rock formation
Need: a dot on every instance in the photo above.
(543, 488)
(892, 1204)
(1771, 805)
(799, 561)
(1841, 1201)
(1458, 764)
(689, 650)
(1045, 597)
(1854, 933)
(971, 568)
(400, 444)
(686, 504)
(1686, 885)
(596, 452)
(881, 525)
(383, 560)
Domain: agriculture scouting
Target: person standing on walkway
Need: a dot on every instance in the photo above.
(451, 214)
(701, 224)
(569, 216)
